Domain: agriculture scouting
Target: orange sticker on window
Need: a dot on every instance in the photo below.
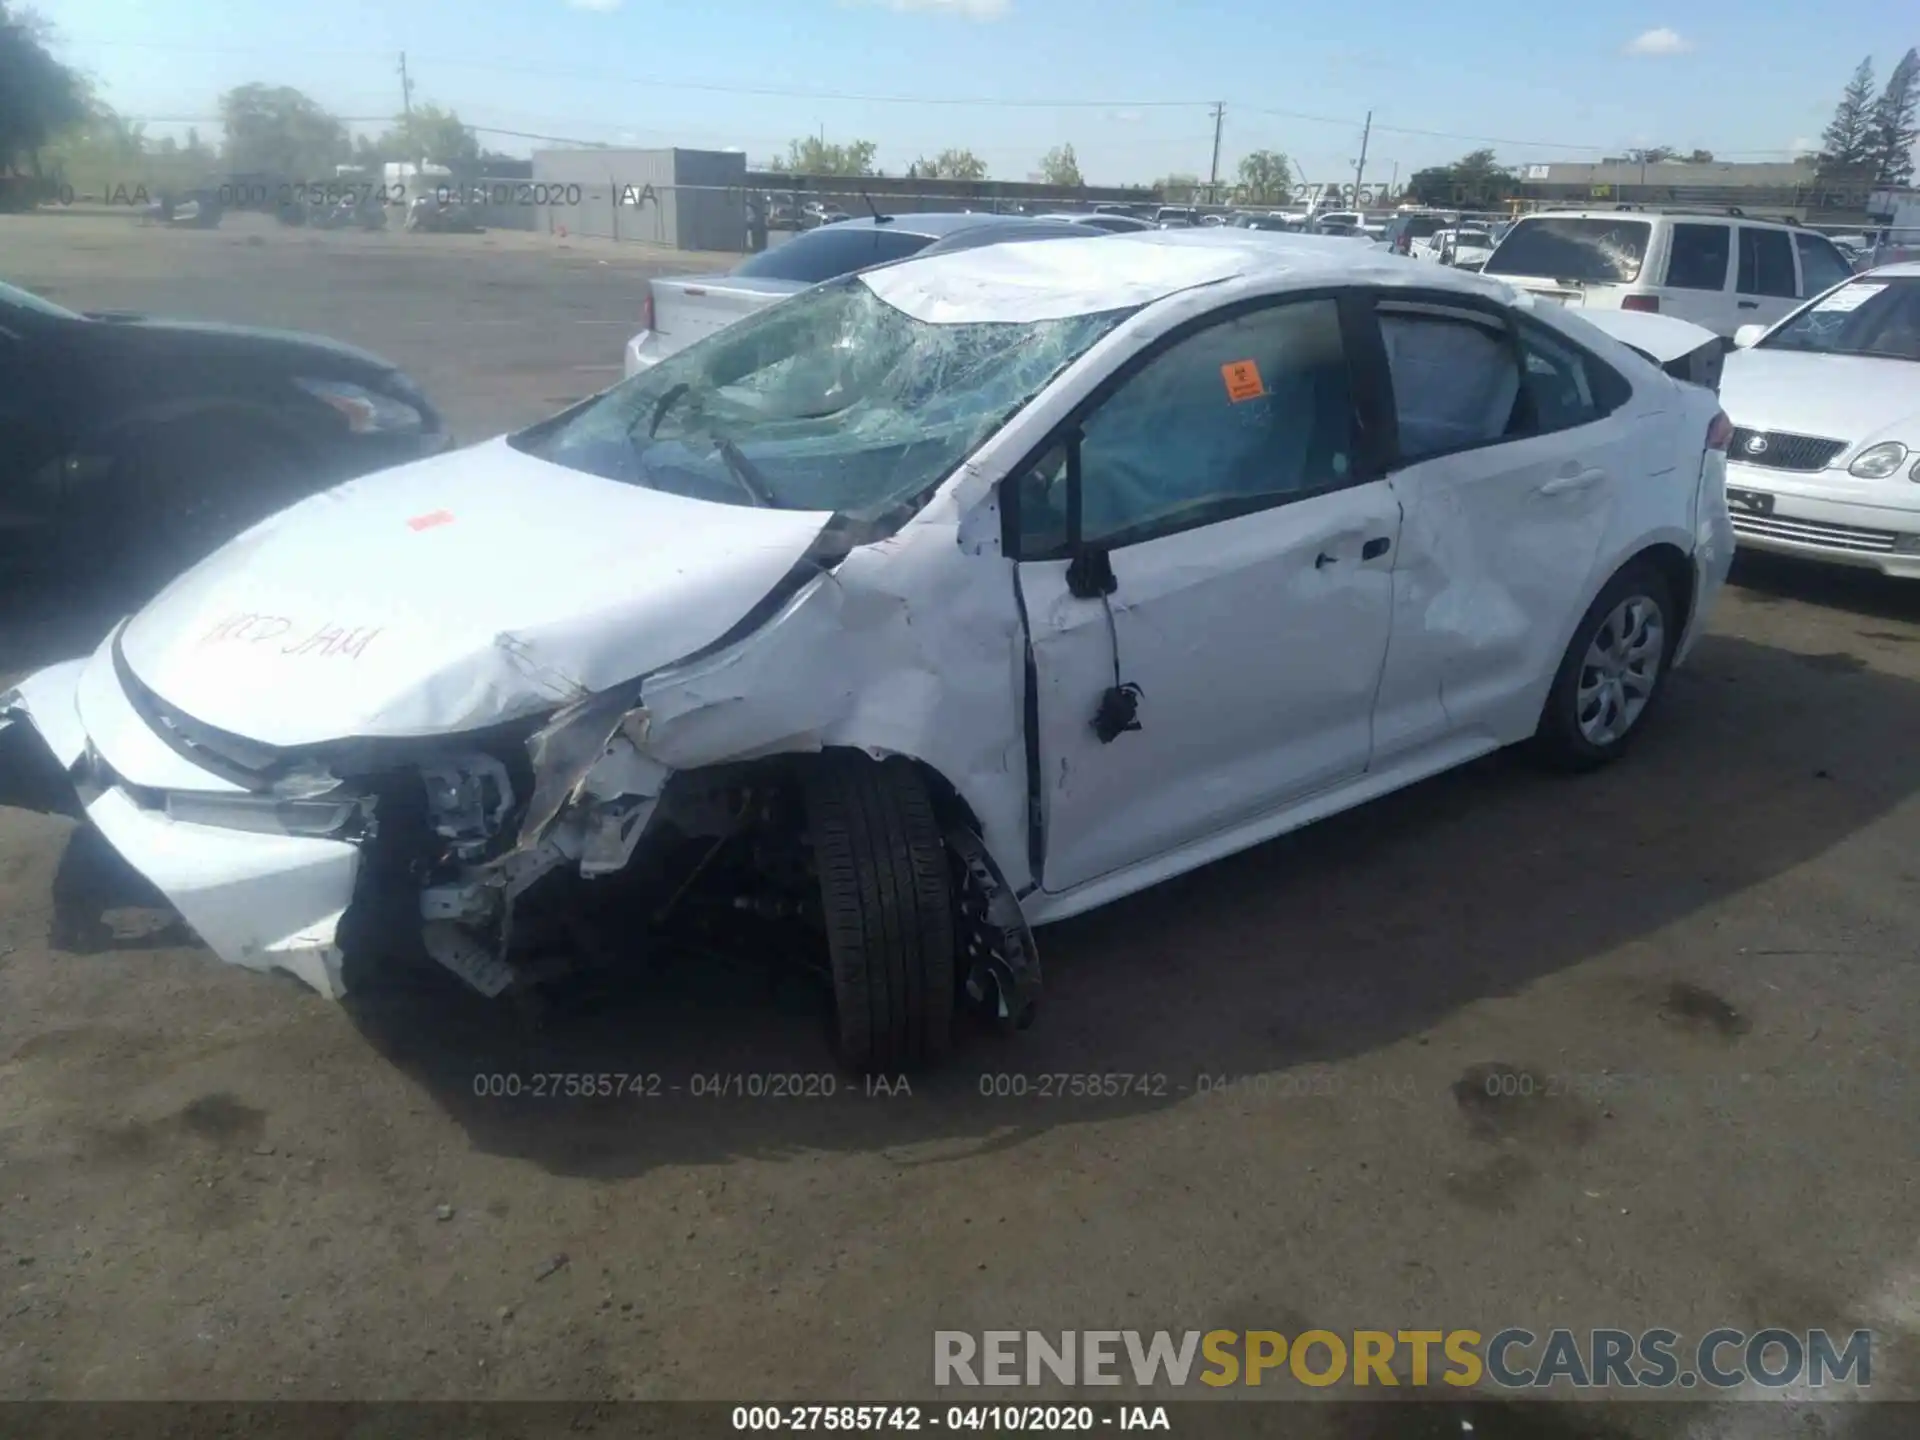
(1243, 380)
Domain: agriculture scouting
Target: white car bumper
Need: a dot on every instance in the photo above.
(1812, 517)
(263, 901)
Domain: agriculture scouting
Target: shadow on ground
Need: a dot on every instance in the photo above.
(1320, 946)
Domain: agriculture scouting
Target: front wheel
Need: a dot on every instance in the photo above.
(1611, 674)
(887, 898)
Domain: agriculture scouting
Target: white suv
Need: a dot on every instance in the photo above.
(1718, 269)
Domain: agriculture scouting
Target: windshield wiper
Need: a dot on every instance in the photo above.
(746, 472)
(666, 403)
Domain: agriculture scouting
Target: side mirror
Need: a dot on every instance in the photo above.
(1747, 336)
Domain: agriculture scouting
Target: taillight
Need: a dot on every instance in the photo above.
(1720, 433)
(646, 305)
(1649, 303)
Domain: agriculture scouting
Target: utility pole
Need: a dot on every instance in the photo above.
(1360, 169)
(1213, 171)
(406, 104)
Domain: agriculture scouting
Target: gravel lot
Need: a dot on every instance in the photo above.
(1701, 963)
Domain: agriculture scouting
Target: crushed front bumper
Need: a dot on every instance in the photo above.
(263, 901)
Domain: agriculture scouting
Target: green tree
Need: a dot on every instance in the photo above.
(811, 155)
(39, 97)
(1180, 187)
(277, 129)
(1266, 176)
(951, 165)
(430, 134)
(1892, 129)
(1845, 143)
(1476, 181)
(1060, 168)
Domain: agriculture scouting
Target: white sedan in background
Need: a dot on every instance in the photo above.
(1825, 456)
(932, 604)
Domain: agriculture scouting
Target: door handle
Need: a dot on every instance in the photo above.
(1749, 304)
(1322, 560)
(1375, 548)
(1580, 480)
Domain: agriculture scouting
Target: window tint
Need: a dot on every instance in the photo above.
(1573, 247)
(1244, 415)
(1821, 267)
(1454, 380)
(830, 251)
(1766, 262)
(1561, 386)
(1699, 257)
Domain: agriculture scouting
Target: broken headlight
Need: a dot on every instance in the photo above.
(468, 800)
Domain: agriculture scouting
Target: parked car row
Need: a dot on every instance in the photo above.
(1128, 507)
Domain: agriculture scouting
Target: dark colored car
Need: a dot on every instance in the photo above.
(133, 446)
(679, 310)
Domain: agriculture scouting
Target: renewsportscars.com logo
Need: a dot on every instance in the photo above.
(1512, 1359)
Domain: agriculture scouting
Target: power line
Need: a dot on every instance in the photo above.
(1216, 108)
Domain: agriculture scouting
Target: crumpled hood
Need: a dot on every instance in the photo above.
(1842, 397)
(450, 594)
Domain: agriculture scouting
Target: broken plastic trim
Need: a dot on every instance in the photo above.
(1003, 963)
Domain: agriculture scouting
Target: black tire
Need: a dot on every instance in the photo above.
(185, 491)
(1561, 741)
(888, 904)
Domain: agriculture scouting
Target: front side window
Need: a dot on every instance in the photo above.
(1766, 262)
(1699, 257)
(1578, 248)
(1455, 382)
(833, 400)
(1821, 266)
(1244, 415)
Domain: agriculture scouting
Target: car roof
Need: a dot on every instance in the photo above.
(1691, 217)
(1061, 278)
(934, 223)
(1899, 270)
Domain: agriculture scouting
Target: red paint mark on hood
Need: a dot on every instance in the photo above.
(428, 521)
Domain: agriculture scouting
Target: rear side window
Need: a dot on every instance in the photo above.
(1562, 386)
(1454, 380)
(1594, 250)
(1699, 257)
(1820, 264)
(829, 252)
(1766, 262)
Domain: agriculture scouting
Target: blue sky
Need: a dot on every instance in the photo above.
(1128, 82)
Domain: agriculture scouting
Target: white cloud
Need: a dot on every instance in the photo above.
(1804, 146)
(600, 6)
(1659, 42)
(970, 9)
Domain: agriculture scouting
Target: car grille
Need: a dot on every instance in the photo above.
(1815, 532)
(1780, 451)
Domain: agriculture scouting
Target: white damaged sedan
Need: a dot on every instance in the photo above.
(923, 608)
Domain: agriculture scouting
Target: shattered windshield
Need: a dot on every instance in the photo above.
(833, 400)
(1867, 317)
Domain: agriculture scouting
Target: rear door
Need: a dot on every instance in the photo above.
(1510, 445)
(1766, 279)
(1698, 284)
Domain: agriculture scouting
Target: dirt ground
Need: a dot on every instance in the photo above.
(1699, 966)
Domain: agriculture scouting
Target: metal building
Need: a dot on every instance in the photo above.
(686, 199)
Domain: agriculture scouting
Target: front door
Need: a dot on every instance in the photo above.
(1251, 564)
